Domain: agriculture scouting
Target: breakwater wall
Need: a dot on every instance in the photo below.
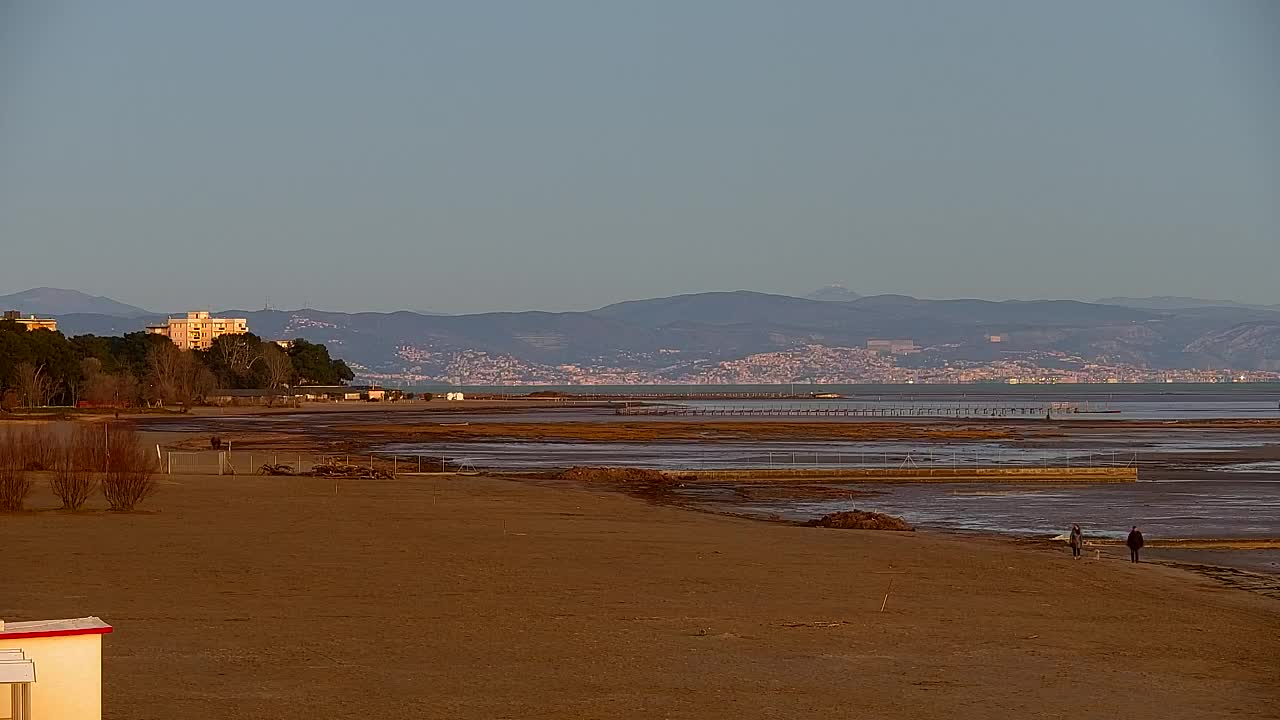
(1019, 475)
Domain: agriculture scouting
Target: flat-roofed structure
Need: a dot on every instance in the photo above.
(894, 347)
(53, 669)
(197, 330)
(31, 322)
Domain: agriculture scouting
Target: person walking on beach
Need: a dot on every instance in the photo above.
(1135, 543)
(1076, 540)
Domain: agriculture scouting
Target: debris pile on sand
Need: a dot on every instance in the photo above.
(344, 470)
(620, 475)
(270, 469)
(860, 520)
(329, 470)
(637, 481)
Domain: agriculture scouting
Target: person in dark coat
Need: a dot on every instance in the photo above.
(1076, 540)
(1135, 543)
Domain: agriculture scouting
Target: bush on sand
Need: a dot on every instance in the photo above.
(15, 484)
(131, 469)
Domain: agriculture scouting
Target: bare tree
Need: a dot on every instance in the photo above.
(35, 388)
(278, 366)
(128, 390)
(99, 388)
(202, 380)
(51, 387)
(178, 375)
(237, 353)
(75, 383)
(90, 367)
(164, 366)
(79, 384)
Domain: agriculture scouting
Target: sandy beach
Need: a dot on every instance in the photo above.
(468, 597)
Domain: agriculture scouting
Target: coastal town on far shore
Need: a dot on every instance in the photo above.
(812, 364)
(880, 361)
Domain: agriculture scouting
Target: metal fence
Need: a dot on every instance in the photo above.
(241, 462)
(250, 462)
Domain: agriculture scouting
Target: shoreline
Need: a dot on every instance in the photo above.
(1247, 578)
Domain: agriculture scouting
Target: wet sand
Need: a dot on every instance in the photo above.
(485, 598)
(1210, 477)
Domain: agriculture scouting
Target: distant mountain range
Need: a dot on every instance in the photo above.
(713, 327)
(1171, 302)
(55, 301)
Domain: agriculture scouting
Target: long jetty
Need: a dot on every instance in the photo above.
(880, 411)
(1013, 475)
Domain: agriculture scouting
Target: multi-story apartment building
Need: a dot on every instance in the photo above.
(197, 330)
(31, 322)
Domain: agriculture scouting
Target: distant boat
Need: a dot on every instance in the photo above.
(455, 424)
(828, 396)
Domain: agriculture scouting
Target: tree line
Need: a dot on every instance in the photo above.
(40, 368)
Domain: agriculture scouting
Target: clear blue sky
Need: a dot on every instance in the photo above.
(509, 155)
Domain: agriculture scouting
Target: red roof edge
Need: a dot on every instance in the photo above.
(55, 633)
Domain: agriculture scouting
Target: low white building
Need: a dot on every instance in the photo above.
(52, 669)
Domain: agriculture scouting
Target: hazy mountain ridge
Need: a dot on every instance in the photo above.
(1254, 345)
(57, 301)
(685, 330)
(1175, 302)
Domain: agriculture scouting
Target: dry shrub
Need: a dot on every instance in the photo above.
(15, 484)
(73, 474)
(35, 447)
(88, 446)
(131, 468)
(860, 520)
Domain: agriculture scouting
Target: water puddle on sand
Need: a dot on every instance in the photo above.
(1219, 508)
(1224, 505)
(1270, 466)
(758, 455)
